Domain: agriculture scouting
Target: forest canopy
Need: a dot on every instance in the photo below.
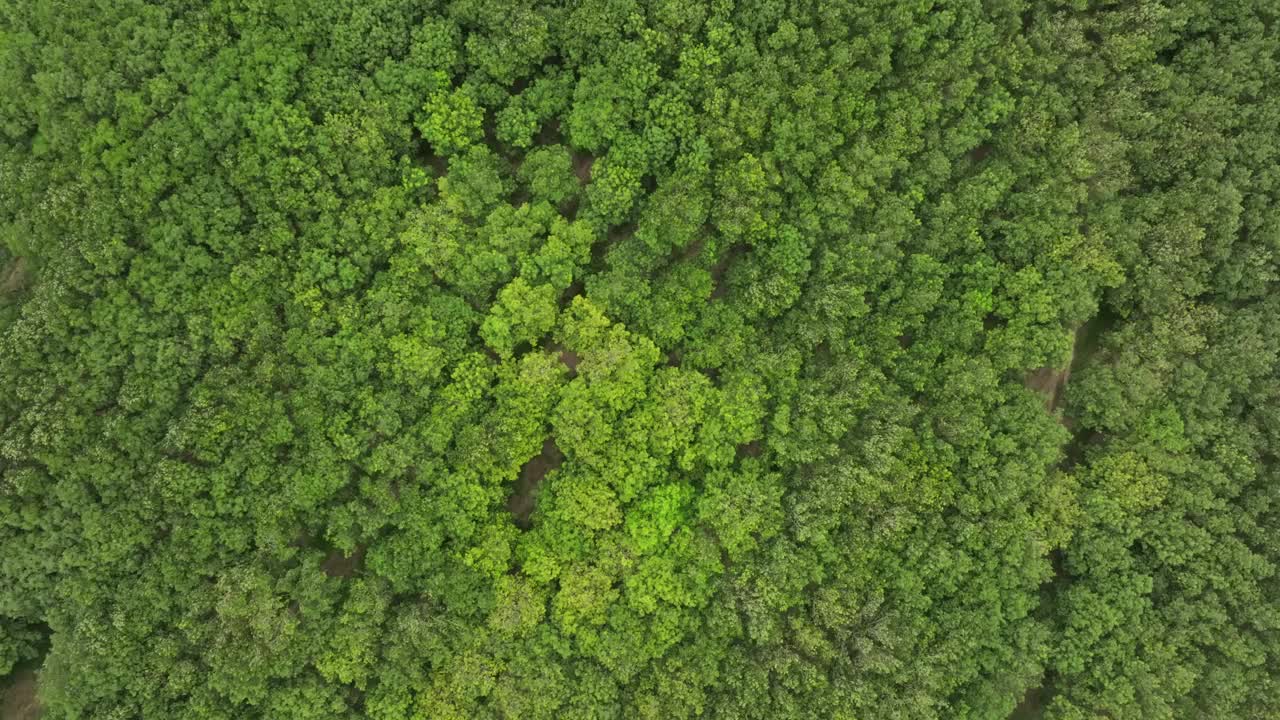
(641, 359)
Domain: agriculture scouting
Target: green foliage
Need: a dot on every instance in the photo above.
(548, 174)
(613, 359)
(451, 121)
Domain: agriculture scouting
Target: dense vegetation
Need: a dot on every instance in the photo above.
(604, 359)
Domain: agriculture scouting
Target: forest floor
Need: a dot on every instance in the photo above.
(20, 702)
(532, 474)
(1049, 381)
(14, 276)
(582, 163)
(339, 564)
(1052, 382)
(1031, 707)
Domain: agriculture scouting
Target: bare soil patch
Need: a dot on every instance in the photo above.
(525, 497)
(600, 250)
(570, 360)
(582, 163)
(1089, 337)
(14, 276)
(571, 292)
(341, 565)
(549, 134)
(719, 287)
(566, 356)
(20, 701)
(1031, 706)
(424, 156)
(1049, 382)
